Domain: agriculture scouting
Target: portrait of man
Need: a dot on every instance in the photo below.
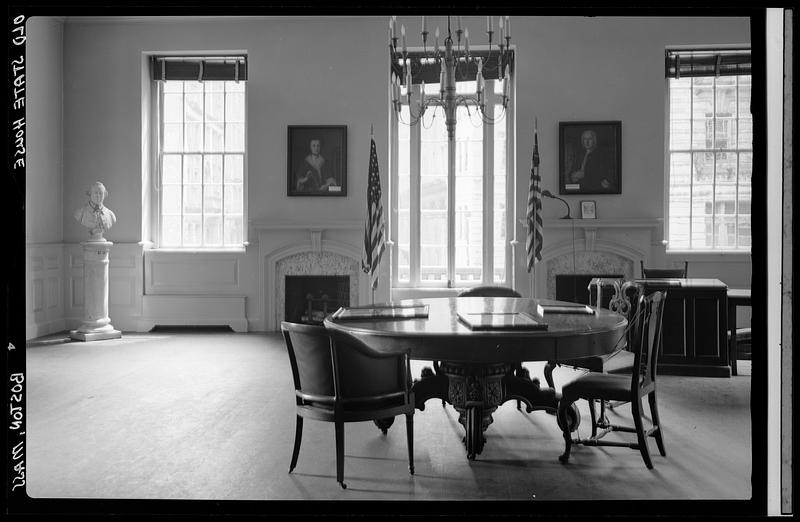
(317, 161)
(590, 158)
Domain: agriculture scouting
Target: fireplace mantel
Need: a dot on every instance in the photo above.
(307, 242)
(589, 228)
(604, 223)
(598, 245)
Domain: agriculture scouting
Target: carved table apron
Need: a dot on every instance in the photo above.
(477, 371)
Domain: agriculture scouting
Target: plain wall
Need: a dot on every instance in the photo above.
(44, 126)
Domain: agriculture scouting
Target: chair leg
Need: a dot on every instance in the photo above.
(602, 421)
(298, 435)
(651, 397)
(593, 417)
(548, 373)
(340, 453)
(636, 410)
(563, 406)
(410, 441)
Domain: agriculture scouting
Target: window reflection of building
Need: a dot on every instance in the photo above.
(710, 160)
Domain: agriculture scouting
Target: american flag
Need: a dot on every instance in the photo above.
(374, 241)
(533, 243)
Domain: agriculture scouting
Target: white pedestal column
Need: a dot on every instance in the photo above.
(96, 323)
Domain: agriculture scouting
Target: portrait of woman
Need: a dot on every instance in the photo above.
(317, 159)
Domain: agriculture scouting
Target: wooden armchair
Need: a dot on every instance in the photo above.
(645, 329)
(338, 378)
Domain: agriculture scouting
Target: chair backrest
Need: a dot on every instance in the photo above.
(626, 298)
(646, 328)
(665, 273)
(489, 291)
(331, 365)
(311, 358)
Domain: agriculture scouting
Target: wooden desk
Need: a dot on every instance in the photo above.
(695, 338)
(480, 370)
(736, 297)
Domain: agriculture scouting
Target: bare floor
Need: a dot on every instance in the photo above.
(210, 416)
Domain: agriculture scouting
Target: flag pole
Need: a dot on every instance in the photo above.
(536, 173)
(372, 286)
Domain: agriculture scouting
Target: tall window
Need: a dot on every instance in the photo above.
(451, 219)
(201, 151)
(710, 153)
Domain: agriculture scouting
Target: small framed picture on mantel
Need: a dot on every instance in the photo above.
(588, 209)
(589, 155)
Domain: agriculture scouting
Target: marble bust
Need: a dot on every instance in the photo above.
(94, 216)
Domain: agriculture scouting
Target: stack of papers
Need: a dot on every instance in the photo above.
(500, 321)
(564, 309)
(382, 312)
(660, 282)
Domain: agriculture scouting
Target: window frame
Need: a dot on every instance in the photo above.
(488, 198)
(691, 150)
(156, 103)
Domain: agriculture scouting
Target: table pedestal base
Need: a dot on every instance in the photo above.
(476, 390)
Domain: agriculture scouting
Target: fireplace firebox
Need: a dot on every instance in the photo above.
(310, 298)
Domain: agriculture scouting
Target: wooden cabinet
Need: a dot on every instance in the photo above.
(694, 339)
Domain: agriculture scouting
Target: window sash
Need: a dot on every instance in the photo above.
(705, 220)
(413, 219)
(216, 195)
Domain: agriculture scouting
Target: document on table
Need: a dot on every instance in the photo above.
(382, 312)
(659, 281)
(500, 321)
(564, 309)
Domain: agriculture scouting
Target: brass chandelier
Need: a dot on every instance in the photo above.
(453, 63)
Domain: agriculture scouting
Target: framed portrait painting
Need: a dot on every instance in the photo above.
(317, 160)
(589, 157)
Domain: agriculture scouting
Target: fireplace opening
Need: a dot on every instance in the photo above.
(574, 288)
(309, 299)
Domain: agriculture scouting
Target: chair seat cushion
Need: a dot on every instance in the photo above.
(620, 361)
(598, 386)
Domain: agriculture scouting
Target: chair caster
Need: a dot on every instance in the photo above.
(563, 458)
(344, 486)
(471, 456)
(411, 470)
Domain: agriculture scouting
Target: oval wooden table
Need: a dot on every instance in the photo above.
(478, 370)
